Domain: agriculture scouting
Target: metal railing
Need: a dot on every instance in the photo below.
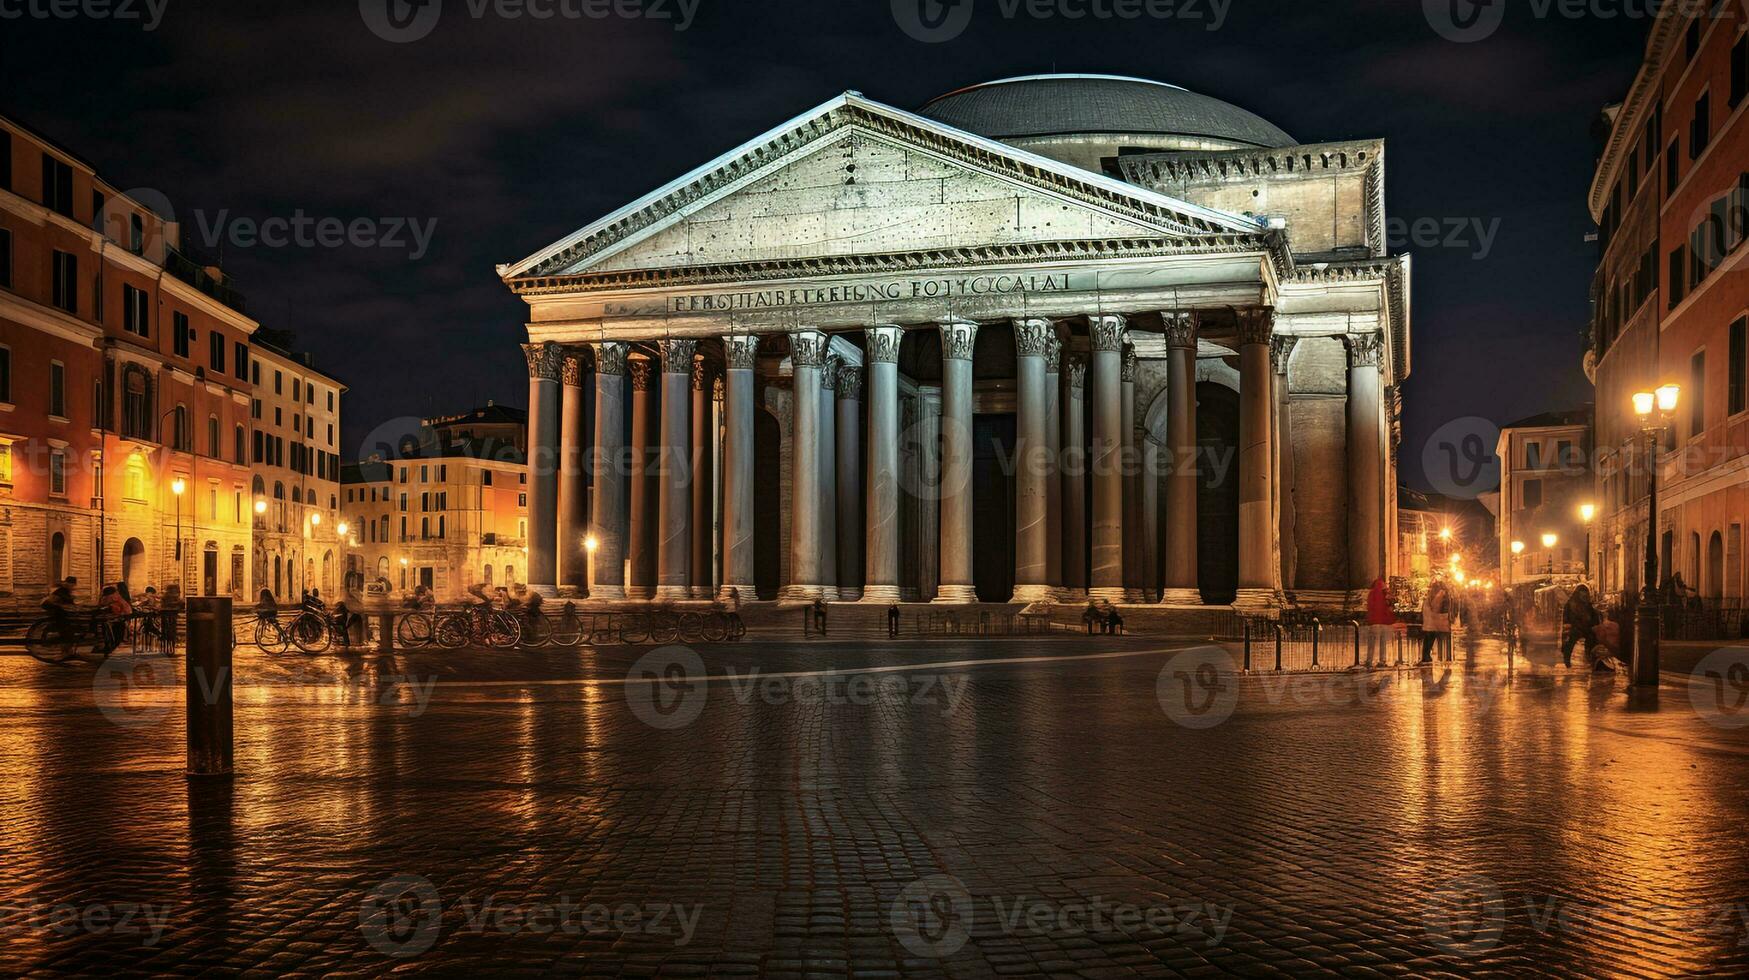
(1315, 645)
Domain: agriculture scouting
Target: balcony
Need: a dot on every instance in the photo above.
(204, 277)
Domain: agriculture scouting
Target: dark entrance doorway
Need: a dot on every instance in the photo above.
(767, 503)
(1217, 498)
(993, 442)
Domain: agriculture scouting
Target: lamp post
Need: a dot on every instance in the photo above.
(1549, 542)
(1517, 549)
(1655, 409)
(177, 486)
(590, 543)
(1587, 513)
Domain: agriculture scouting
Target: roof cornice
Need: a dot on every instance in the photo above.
(1630, 121)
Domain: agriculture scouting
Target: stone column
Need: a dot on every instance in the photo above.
(544, 368)
(958, 337)
(739, 491)
(1032, 337)
(1106, 395)
(573, 559)
(850, 520)
(1075, 480)
(1054, 464)
(701, 531)
(808, 357)
(1181, 452)
(674, 472)
(1148, 485)
(1365, 465)
(881, 584)
(1257, 585)
(609, 497)
(928, 495)
(1135, 545)
(641, 524)
(1281, 349)
(829, 478)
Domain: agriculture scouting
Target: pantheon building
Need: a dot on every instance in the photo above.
(1041, 339)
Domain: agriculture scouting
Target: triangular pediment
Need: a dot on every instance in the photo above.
(857, 178)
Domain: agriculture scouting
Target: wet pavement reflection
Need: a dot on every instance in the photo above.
(1073, 807)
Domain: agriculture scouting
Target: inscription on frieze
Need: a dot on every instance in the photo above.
(874, 291)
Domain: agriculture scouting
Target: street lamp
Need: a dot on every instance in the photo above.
(1512, 569)
(176, 487)
(1549, 540)
(1587, 512)
(1655, 409)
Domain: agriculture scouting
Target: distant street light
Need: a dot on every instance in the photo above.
(1549, 540)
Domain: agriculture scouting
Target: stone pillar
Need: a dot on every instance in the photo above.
(739, 491)
(1106, 394)
(1075, 479)
(701, 532)
(1258, 588)
(573, 525)
(674, 472)
(829, 478)
(609, 497)
(850, 520)
(544, 368)
(1148, 485)
(808, 358)
(1054, 464)
(881, 584)
(1032, 337)
(641, 524)
(958, 337)
(928, 495)
(1365, 465)
(1281, 349)
(1135, 545)
(1181, 451)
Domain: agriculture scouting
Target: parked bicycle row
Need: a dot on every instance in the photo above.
(314, 632)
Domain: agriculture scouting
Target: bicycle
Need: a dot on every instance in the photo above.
(481, 626)
(415, 630)
(310, 632)
(58, 639)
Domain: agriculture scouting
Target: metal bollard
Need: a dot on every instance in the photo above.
(1247, 623)
(1277, 646)
(1317, 631)
(1644, 672)
(207, 683)
(386, 630)
(1357, 644)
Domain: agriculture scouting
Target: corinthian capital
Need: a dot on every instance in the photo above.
(1128, 375)
(850, 382)
(1256, 323)
(576, 365)
(1054, 354)
(641, 372)
(829, 373)
(543, 361)
(1180, 328)
(610, 358)
(677, 355)
(742, 351)
(807, 348)
(701, 374)
(883, 343)
(1281, 348)
(1033, 336)
(1107, 331)
(958, 337)
(1077, 371)
(1365, 349)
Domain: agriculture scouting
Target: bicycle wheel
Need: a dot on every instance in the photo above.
(664, 628)
(453, 631)
(691, 626)
(567, 630)
(537, 631)
(634, 629)
(270, 637)
(310, 633)
(50, 642)
(503, 631)
(715, 628)
(414, 630)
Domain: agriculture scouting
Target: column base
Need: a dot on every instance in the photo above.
(1181, 597)
(799, 593)
(546, 591)
(608, 593)
(881, 595)
(956, 595)
(570, 592)
(673, 593)
(1136, 597)
(1113, 594)
(747, 593)
(1257, 600)
(699, 592)
(1030, 594)
(829, 593)
(849, 595)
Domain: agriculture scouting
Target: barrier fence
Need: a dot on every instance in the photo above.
(1314, 645)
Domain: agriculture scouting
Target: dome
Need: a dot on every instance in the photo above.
(1079, 118)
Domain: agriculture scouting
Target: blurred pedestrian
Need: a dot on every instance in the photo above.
(1380, 618)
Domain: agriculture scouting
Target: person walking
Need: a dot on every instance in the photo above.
(1435, 619)
(1581, 619)
(1380, 620)
(820, 616)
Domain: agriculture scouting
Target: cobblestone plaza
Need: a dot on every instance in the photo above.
(925, 810)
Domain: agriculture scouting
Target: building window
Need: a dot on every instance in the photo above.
(1678, 275)
(5, 258)
(57, 186)
(135, 311)
(330, 401)
(212, 437)
(1739, 71)
(5, 160)
(6, 463)
(1533, 455)
(99, 405)
(486, 478)
(238, 442)
(57, 473)
(240, 356)
(1532, 494)
(57, 389)
(1672, 167)
(136, 403)
(216, 352)
(279, 382)
(65, 285)
(1691, 40)
(1738, 380)
(1696, 394)
(522, 500)
(179, 435)
(6, 375)
(1700, 130)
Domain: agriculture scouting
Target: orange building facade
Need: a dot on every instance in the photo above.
(124, 390)
(1671, 196)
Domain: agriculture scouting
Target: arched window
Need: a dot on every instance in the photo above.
(279, 491)
(57, 558)
(212, 437)
(180, 436)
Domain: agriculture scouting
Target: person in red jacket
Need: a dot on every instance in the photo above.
(1380, 618)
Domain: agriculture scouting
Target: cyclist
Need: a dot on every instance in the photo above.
(344, 618)
(59, 603)
(115, 614)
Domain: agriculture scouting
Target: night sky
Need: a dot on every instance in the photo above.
(511, 133)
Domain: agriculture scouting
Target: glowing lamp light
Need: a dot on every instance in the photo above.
(1587, 512)
(1549, 540)
(403, 563)
(315, 518)
(1643, 402)
(177, 486)
(590, 543)
(343, 528)
(1518, 547)
(1445, 534)
(260, 506)
(1668, 396)
(1460, 576)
